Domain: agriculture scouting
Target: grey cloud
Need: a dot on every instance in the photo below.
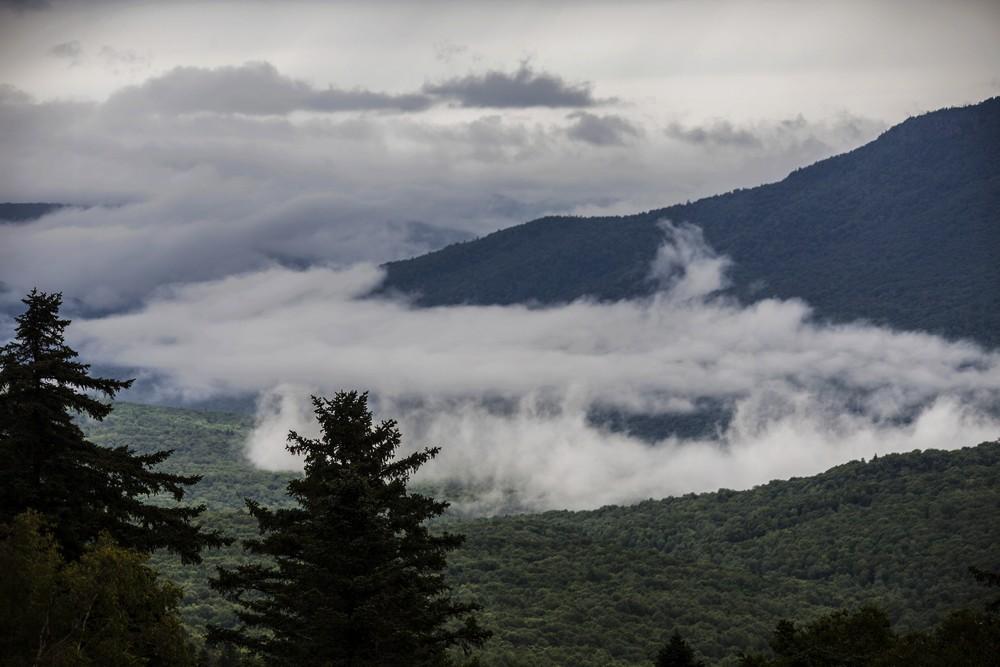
(179, 198)
(13, 96)
(124, 59)
(522, 88)
(163, 242)
(254, 89)
(67, 50)
(446, 51)
(811, 139)
(720, 133)
(606, 130)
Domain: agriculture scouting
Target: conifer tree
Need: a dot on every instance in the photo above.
(351, 576)
(47, 464)
(677, 653)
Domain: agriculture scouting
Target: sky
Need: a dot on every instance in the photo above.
(213, 138)
(237, 172)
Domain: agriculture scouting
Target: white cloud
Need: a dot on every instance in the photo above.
(506, 390)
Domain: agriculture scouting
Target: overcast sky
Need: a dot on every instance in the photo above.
(225, 137)
(238, 170)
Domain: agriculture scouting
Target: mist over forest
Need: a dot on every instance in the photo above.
(673, 309)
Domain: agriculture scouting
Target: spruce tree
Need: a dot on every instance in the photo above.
(677, 653)
(350, 576)
(47, 464)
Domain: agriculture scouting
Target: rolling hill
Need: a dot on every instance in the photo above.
(903, 231)
(605, 587)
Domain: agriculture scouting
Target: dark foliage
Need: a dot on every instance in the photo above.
(677, 653)
(902, 231)
(107, 608)
(351, 575)
(990, 580)
(865, 638)
(841, 639)
(47, 464)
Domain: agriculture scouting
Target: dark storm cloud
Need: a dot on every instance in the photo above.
(720, 133)
(522, 88)
(254, 89)
(607, 130)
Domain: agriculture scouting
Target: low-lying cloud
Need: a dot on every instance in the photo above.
(787, 134)
(506, 390)
(719, 133)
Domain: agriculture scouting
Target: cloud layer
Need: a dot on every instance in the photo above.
(506, 390)
(523, 88)
(254, 89)
(203, 172)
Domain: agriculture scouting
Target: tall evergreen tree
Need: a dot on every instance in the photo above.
(351, 576)
(47, 464)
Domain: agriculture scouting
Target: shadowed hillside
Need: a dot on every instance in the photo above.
(903, 231)
(10, 212)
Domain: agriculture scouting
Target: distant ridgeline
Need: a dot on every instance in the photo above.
(904, 231)
(27, 212)
(604, 587)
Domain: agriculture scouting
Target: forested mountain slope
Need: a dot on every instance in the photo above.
(904, 231)
(605, 587)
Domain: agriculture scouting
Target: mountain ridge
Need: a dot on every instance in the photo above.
(903, 231)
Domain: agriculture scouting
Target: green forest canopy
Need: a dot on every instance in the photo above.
(607, 587)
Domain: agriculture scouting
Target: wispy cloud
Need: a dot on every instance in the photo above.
(507, 390)
(71, 51)
(602, 130)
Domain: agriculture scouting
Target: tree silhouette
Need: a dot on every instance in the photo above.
(47, 465)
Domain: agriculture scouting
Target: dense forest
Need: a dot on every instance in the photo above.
(606, 587)
(901, 231)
